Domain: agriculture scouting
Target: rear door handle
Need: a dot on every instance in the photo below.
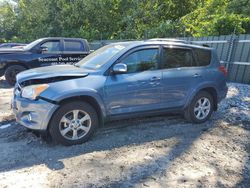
(155, 79)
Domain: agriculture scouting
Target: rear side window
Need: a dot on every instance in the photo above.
(73, 46)
(177, 57)
(202, 56)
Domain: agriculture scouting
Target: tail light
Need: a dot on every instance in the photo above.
(223, 70)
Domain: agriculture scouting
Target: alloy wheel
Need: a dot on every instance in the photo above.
(75, 124)
(202, 108)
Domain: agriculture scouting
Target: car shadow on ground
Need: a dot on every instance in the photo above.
(186, 142)
(140, 174)
(245, 180)
(116, 134)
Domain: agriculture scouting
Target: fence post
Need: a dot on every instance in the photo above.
(231, 47)
(230, 51)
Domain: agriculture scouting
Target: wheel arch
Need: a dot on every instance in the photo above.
(85, 98)
(211, 90)
(15, 63)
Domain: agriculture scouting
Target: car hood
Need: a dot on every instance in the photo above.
(11, 50)
(50, 74)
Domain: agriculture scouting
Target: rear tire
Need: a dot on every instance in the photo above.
(73, 123)
(11, 72)
(200, 109)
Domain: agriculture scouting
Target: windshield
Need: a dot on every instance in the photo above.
(101, 56)
(31, 45)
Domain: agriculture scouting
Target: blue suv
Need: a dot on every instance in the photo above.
(120, 80)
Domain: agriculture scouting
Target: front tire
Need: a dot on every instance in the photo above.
(11, 72)
(73, 123)
(201, 108)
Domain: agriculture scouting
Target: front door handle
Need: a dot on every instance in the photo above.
(155, 78)
(196, 75)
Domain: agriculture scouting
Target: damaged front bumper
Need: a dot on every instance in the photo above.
(33, 114)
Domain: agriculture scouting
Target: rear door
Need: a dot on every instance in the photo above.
(73, 51)
(180, 74)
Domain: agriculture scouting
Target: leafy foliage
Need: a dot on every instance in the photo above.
(7, 22)
(217, 17)
(122, 19)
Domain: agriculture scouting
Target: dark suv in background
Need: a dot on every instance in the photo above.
(40, 53)
(120, 80)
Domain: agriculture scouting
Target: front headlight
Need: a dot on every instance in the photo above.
(33, 91)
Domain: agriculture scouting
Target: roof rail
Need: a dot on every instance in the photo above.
(168, 40)
(178, 41)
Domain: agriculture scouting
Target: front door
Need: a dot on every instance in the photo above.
(48, 53)
(139, 89)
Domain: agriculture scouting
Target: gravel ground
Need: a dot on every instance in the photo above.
(163, 151)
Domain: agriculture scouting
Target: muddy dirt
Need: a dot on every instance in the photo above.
(163, 151)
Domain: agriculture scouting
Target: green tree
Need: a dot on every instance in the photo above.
(215, 18)
(31, 19)
(123, 19)
(7, 22)
(241, 7)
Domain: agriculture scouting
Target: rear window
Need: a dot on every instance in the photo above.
(73, 46)
(203, 56)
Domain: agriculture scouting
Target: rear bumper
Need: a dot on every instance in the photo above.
(33, 114)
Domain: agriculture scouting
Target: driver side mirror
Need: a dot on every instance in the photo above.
(43, 49)
(120, 68)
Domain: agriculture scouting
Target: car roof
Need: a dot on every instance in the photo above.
(59, 38)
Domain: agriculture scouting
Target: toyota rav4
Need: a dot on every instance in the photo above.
(120, 80)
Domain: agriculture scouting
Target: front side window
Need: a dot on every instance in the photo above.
(177, 57)
(52, 46)
(142, 60)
